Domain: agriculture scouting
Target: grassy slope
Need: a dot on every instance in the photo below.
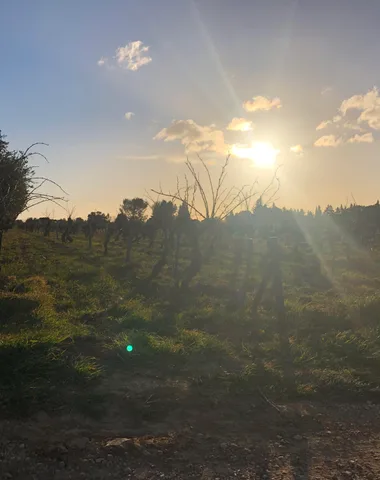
(67, 315)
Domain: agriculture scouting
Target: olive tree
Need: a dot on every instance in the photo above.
(20, 187)
(131, 220)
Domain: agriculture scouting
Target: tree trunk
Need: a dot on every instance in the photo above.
(195, 265)
(129, 249)
(210, 250)
(157, 268)
(238, 256)
(107, 238)
(1, 245)
(90, 234)
(245, 287)
(176, 257)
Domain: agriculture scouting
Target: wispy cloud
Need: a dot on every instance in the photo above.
(194, 137)
(262, 103)
(298, 149)
(328, 141)
(128, 115)
(152, 158)
(324, 124)
(326, 90)
(365, 138)
(140, 157)
(240, 124)
(353, 126)
(131, 57)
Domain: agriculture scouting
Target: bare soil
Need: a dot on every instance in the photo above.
(236, 439)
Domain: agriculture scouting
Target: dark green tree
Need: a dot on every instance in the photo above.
(19, 185)
(131, 220)
(134, 209)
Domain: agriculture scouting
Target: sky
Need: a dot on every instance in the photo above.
(124, 91)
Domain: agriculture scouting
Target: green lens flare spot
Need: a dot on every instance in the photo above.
(129, 348)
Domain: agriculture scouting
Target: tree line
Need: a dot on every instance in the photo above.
(201, 216)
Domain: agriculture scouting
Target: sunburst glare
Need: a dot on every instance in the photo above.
(263, 154)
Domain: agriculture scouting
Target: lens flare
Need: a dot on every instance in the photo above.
(263, 154)
(129, 348)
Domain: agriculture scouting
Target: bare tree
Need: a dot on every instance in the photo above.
(211, 200)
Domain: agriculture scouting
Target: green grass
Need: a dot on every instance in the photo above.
(67, 314)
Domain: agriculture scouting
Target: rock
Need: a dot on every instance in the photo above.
(298, 437)
(79, 443)
(8, 475)
(119, 442)
(99, 460)
(61, 464)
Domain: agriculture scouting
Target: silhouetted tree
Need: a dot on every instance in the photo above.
(95, 221)
(19, 185)
(163, 215)
(131, 220)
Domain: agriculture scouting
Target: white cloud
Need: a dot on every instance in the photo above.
(129, 115)
(361, 102)
(337, 118)
(194, 137)
(365, 138)
(323, 124)
(261, 103)
(328, 141)
(131, 57)
(371, 116)
(298, 149)
(369, 106)
(240, 124)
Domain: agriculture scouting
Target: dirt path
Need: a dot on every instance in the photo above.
(303, 441)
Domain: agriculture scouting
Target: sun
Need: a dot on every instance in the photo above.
(263, 154)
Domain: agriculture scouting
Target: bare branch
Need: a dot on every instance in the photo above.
(222, 177)
(210, 182)
(199, 184)
(28, 153)
(52, 182)
(181, 199)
